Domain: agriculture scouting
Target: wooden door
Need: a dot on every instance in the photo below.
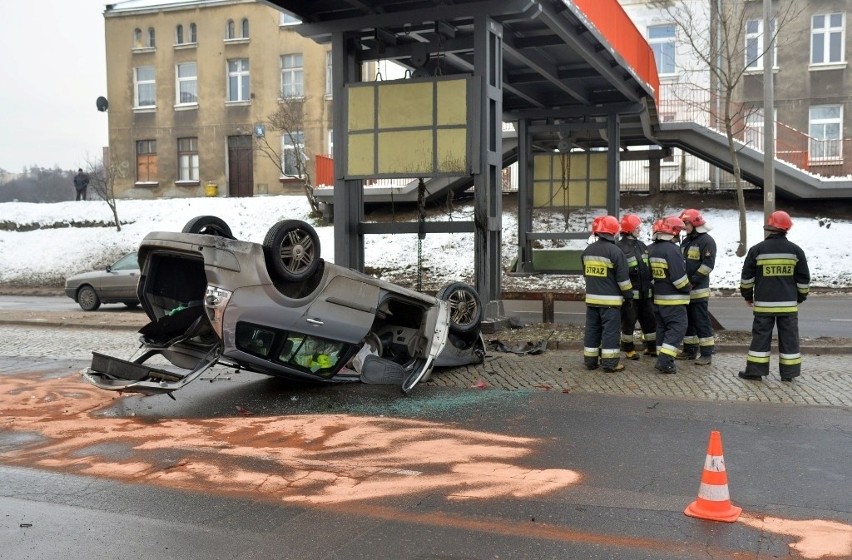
(240, 171)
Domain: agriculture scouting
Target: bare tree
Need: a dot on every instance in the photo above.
(102, 178)
(722, 53)
(289, 121)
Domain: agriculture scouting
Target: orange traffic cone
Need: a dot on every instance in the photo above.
(714, 502)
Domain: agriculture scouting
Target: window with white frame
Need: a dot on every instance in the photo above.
(292, 76)
(825, 127)
(331, 142)
(187, 83)
(755, 45)
(238, 80)
(292, 149)
(144, 87)
(287, 19)
(329, 77)
(827, 38)
(146, 161)
(661, 38)
(188, 159)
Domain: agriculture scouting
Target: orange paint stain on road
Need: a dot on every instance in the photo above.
(817, 538)
(321, 459)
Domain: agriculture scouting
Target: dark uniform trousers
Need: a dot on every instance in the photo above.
(699, 332)
(671, 326)
(790, 358)
(601, 332)
(643, 310)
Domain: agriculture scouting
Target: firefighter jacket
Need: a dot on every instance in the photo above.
(775, 276)
(671, 285)
(699, 250)
(606, 274)
(636, 253)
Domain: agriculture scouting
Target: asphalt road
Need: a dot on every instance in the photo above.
(257, 468)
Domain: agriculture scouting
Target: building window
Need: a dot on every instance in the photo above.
(755, 45)
(245, 28)
(238, 80)
(825, 128)
(152, 38)
(331, 142)
(144, 87)
(187, 83)
(188, 159)
(230, 32)
(329, 76)
(287, 19)
(292, 79)
(193, 33)
(137, 39)
(290, 143)
(179, 34)
(827, 38)
(662, 41)
(146, 161)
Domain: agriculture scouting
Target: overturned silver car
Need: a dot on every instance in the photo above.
(277, 308)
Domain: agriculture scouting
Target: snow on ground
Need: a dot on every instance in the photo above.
(70, 237)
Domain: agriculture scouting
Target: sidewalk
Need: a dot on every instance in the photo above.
(825, 380)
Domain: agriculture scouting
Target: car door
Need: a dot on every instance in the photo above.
(344, 310)
(120, 282)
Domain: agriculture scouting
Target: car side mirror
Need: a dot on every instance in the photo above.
(109, 268)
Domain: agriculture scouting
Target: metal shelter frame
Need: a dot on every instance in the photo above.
(549, 66)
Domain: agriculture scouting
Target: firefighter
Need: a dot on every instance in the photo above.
(699, 251)
(775, 280)
(671, 291)
(607, 285)
(641, 307)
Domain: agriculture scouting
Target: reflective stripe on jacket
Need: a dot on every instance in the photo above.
(636, 253)
(699, 251)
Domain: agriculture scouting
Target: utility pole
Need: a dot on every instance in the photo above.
(768, 113)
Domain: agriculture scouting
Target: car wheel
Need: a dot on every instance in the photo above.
(292, 250)
(88, 298)
(465, 307)
(208, 225)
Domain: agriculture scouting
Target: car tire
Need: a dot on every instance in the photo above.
(465, 307)
(208, 225)
(292, 250)
(88, 298)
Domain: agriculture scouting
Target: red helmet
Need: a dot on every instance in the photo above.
(605, 224)
(692, 216)
(780, 220)
(671, 225)
(629, 222)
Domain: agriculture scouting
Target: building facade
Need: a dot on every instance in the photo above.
(812, 87)
(192, 87)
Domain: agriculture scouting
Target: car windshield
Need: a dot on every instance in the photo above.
(319, 356)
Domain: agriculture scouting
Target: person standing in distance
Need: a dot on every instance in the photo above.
(81, 183)
(607, 285)
(671, 291)
(775, 280)
(699, 250)
(641, 307)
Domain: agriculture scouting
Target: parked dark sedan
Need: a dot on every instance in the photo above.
(277, 308)
(115, 284)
